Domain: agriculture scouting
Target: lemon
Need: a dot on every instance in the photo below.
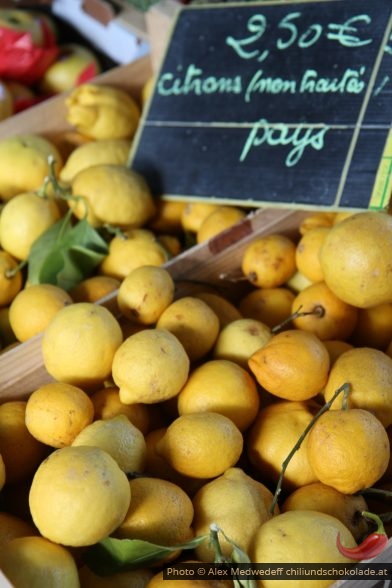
(235, 502)
(348, 449)
(355, 259)
(238, 340)
(161, 369)
(307, 253)
(13, 526)
(11, 279)
(300, 537)
(120, 438)
(24, 163)
(23, 219)
(94, 288)
(167, 218)
(78, 496)
(225, 310)
(317, 219)
(373, 327)
(102, 112)
(35, 562)
(201, 445)
(107, 404)
(56, 413)
(194, 213)
(40, 302)
(111, 194)
(160, 512)
(217, 221)
(221, 386)
(145, 293)
(79, 344)
(193, 322)
(104, 151)
(269, 261)
(270, 306)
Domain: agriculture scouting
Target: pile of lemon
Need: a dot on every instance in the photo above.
(178, 417)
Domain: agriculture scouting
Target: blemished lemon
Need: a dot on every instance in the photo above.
(269, 261)
(111, 194)
(300, 537)
(57, 412)
(339, 445)
(104, 151)
(240, 339)
(20, 451)
(369, 374)
(293, 365)
(307, 253)
(270, 306)
(201, 445)
(221, 386)
(322, 498)
(235, 502)
(13, 526)
(138, 578)
(41, 303)
(145, 293)
(272, 436)
(137, 247)
(107, 404)
(24, 164)
(330, 317)
(23, 219)
(120, 438)
(11, 279)
(160, 512)
(355, 259)
(79, 344)
(218, 221)
(225, 310)
(67, 484)
(193, 322)
(36, 562)
(161, 369)
(194, 214)
(102, 112)
(94, 288)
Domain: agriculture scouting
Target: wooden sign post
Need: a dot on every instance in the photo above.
(273, 103)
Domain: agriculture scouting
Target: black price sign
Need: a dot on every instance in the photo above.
(273, 103)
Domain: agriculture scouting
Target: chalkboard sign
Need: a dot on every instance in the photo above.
(273, 103)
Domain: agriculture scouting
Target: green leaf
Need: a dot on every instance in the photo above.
(110, 555)
(65, 253)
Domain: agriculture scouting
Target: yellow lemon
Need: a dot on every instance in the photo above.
(67, 484)
(225, 310)
(57, 412)
(335, 349)
(160, 512)
(194, 213)
(235, 502)
(240, 339)
(221, 386)
(299, 537)
(120, 438)
(13, 526)
(94, 288)
(193, 322)
(272, 436)
(270, 306)
(315, 220)
(24, 163)
(293, 365)
(167, 218)
(307, 253)
(145, 293)
(217, 221)
(104, 151)
(79, 344)
(369, 374)
(102, 112)
(348, 449)
(41, 303)
(11, 279)
(111, 194)
(373, 327)
(23, 219)
(355, 259)
(269, 261)
(36, 562)
(161, 369)
(107, 404)
(21, 452)
(134, 249)
(347, 508)
(201, 445)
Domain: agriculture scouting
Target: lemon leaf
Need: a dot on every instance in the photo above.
(65, 254)
(114, 555)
